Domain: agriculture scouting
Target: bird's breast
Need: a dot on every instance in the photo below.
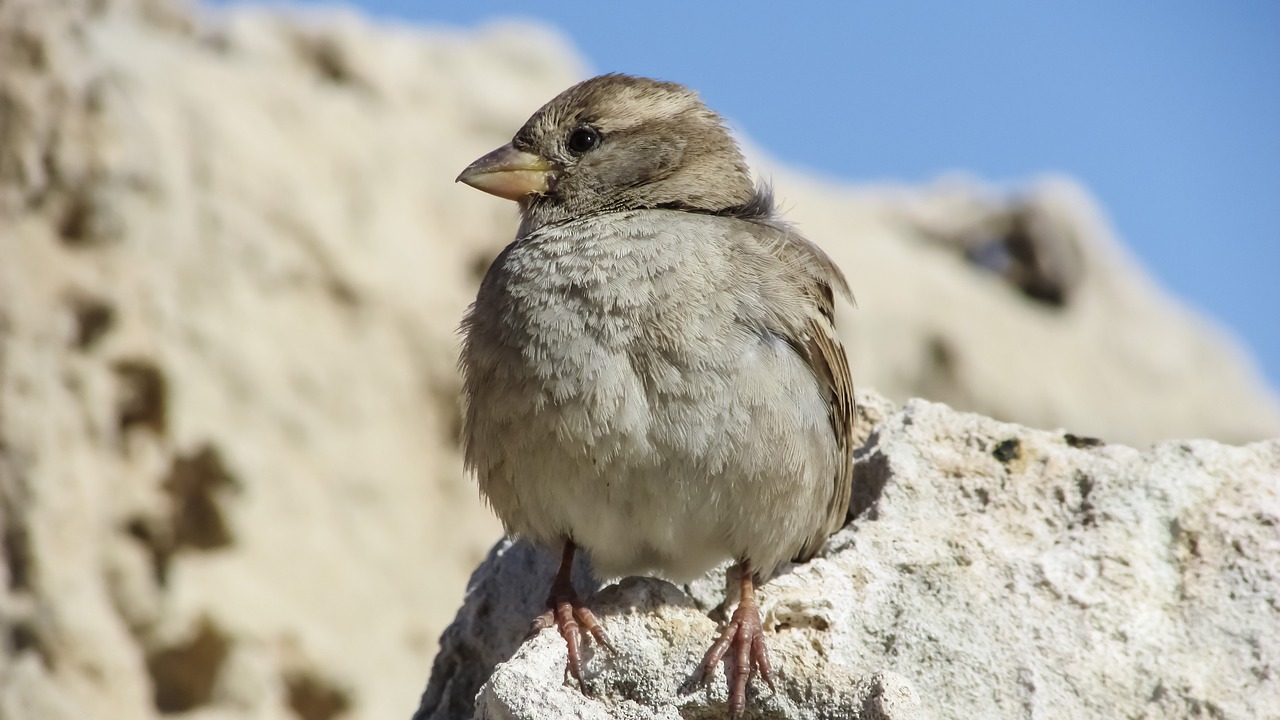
(590, 332)
(619, 393)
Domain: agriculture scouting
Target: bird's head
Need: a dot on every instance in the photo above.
(613, 143)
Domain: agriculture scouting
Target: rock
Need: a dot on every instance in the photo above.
(1024, 308)
(232, 264)
(656, 631)
(998, 571)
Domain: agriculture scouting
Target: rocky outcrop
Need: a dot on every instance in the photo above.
(990, 571)
(232, 261)
(231, 265)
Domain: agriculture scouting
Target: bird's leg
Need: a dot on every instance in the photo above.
(567, 613)
(744, 635)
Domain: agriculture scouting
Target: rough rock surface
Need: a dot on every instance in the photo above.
(991, 571)
(232, 259)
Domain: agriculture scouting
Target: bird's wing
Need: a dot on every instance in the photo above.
(806, 320)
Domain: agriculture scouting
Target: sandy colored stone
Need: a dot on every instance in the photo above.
(227, 308)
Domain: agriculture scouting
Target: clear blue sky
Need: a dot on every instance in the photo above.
(1168, 110)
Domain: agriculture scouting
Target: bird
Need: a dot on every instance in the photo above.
(651, 370)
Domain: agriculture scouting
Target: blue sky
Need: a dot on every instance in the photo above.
(1168, 111)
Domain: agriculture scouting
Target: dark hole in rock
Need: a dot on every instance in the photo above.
(1080, 441)
(77, 219)
(1034, 255)
(94, 319)
(328, 58)
(183, 676)
(312, 698)
(144, 397)
(869, 479)
(195, 485)
(1084, 484)
(1008, 450)
(17, 554)
(1028, 270)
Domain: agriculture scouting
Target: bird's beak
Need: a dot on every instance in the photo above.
(509, 173)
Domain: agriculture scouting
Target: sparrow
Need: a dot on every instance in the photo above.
(651, 369)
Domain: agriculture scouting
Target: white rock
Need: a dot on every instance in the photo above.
(998, 572)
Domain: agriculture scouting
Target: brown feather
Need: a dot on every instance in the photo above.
(819, 345)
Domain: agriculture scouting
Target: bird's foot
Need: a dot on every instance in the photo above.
(744, 636)
(570, 616)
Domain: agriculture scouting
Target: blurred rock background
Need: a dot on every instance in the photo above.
(232, 262)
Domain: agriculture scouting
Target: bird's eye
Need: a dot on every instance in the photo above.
(583, 139)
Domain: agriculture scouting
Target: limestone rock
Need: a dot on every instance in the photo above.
(995, 571)
(231, 266)
(1024, 308)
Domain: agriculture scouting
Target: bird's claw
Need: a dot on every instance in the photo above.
(744, 635)
(570, 618)
(568, 615)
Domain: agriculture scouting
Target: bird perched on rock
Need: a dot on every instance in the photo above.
(651, 369)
